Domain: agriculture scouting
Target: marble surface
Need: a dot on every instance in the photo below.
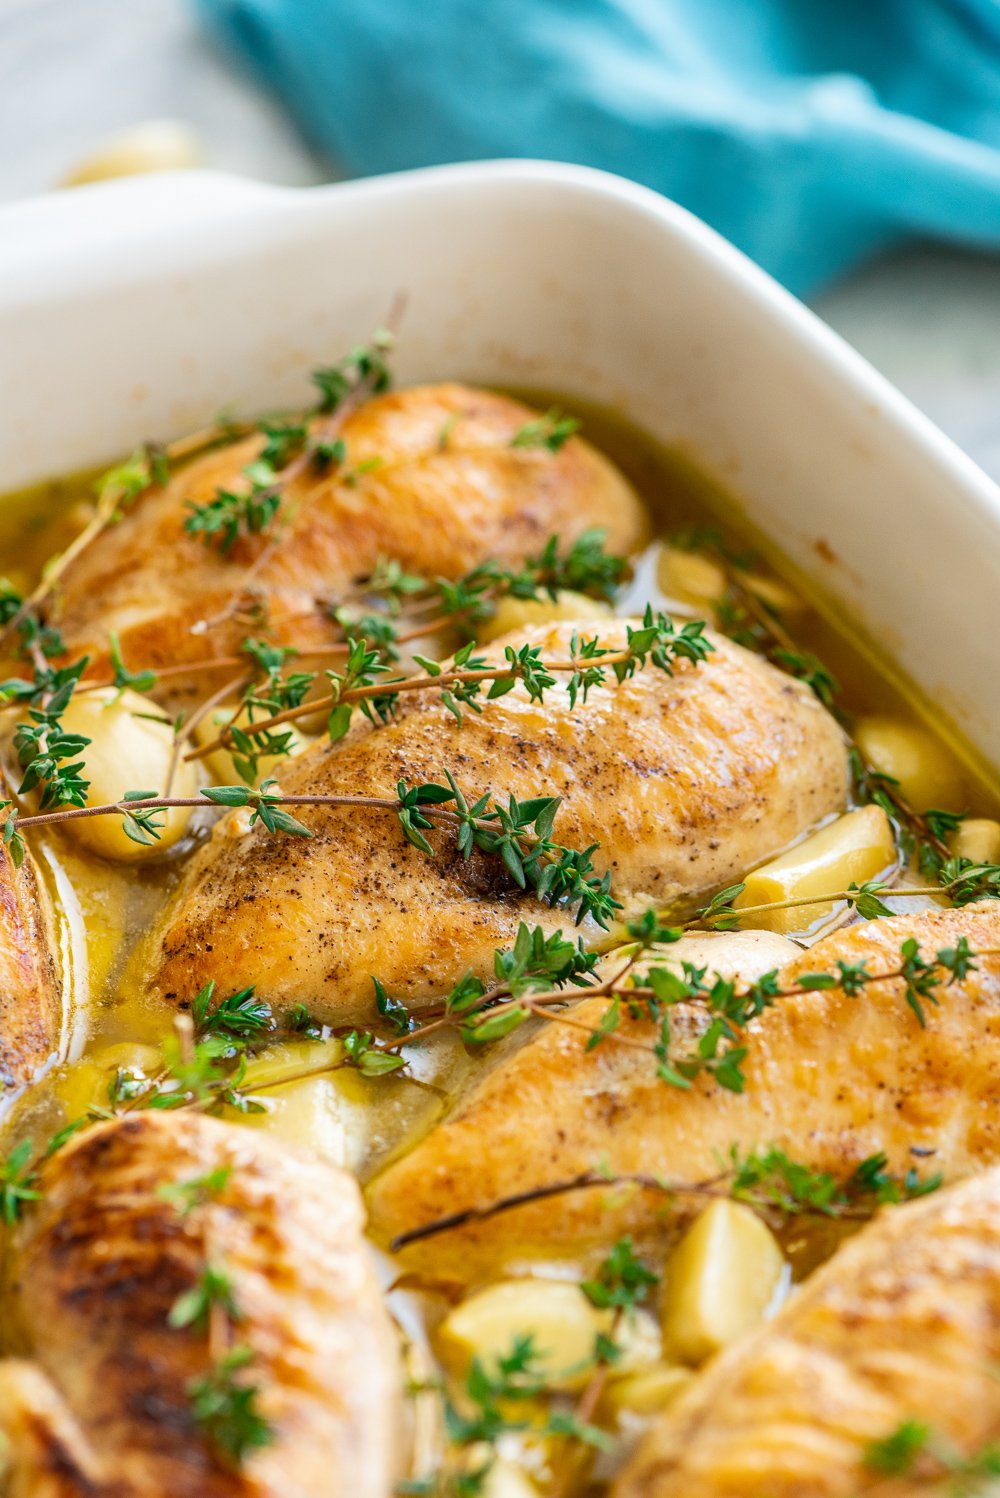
(73, 72)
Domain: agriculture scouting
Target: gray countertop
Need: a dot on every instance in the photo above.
(73, 72)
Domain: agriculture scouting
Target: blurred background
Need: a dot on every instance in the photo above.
(878, 198)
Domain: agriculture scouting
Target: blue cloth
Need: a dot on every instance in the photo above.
(810, 132)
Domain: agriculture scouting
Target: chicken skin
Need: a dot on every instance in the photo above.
(31, 1005)
(899, 1326)
(683, 780)
(437, 504)
(106, 1403)
(829, 1078)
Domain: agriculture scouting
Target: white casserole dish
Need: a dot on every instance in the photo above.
(138, 309)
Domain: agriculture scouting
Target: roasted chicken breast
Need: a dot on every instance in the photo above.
(430, 479)
(31, 1003)
(829, 1078)
(683, 780)
(107, 1400)
(899, 1326)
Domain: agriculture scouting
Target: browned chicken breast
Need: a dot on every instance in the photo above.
(436, 505)
(31, 1006)
(900, 1325)
(830, 1078)
(44, 1453)
(107, 1404)
(683, 780)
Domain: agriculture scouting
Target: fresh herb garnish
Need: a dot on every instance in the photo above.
(186, 1196)
(227, 1408)
(212, 1290)
(18, 1182)
(241, 1016)
(549, 431)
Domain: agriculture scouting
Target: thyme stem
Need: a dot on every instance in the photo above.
(590, 1180)
(389, 686)
(199, 714)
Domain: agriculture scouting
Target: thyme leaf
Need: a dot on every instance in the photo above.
(549, 431)
(227, 1408)
(18, 1182)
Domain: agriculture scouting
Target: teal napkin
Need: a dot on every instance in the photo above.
(810, 132)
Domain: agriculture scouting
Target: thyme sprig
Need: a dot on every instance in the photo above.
(925, 836)
(227, 1409)
(291, 449)
(18, 1182)
(519, 833)
(756, 623)
(492, 1394)
(751, 620)
(224, 1404)
(36, 639)
(914, 1449)
(657, 641)
(212, 1291)
(482, 1016)
(549, 431)
(239, 1017)
(186, 1196)
(771, 1181)
(46, 752)
(373, 639)
(923, 833)
(962, 881)
(230, 513)
(622, 1281)
(584, 566)
(721, 914)
(362, 372)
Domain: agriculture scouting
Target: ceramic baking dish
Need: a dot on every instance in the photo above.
(137, 309)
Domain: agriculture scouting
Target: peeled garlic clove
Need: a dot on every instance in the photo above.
(329, 1113)
(774, 593)
(85, 1082)
(690, 575)
(519, 613)
(154, 146)
(719, 1281)
(648, 1391)
(131, 745)
(927, 772)
(561, 1321)
(506, 1480)
(977, 838)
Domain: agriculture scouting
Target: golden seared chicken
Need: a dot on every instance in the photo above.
(683, 780)
(132, 1214)
(31, 1007)
(829, 1078)
(436, 504)
(899, 1326)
